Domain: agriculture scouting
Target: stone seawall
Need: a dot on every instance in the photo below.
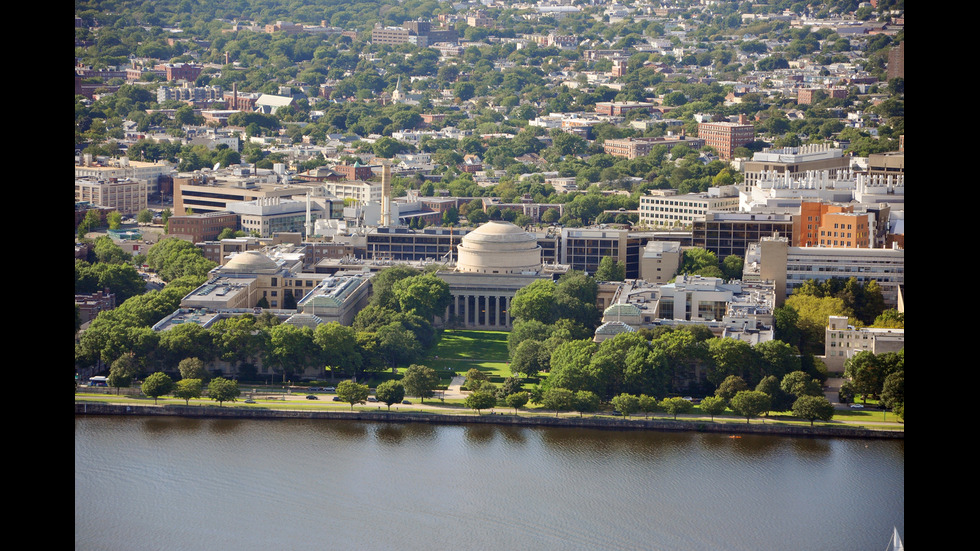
(90, 408)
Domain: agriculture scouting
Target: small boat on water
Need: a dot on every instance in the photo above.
(895, 544)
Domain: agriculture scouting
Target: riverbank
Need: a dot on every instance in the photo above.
(771, 429)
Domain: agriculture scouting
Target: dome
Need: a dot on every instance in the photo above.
(499, 248)
(622, 309)
(610, 329)
(250, 262)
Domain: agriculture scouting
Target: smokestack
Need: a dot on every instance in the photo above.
(385, 194)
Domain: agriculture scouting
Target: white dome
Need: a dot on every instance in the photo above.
(250, 262)
(499, 248)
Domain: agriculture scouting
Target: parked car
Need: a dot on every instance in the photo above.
(329, 389)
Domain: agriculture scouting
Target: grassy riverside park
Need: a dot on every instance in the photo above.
(455, 354)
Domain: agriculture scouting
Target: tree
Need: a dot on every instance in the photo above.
(867, 373)
(189, 388)
(223, 390)
(676, 405)
(123, 371)
(610, 270)
(352, 393)
(812, 408)
(157, 385)
(799, 384)
(890, 319)
(750, 403)
(475, 379)
(731, 266)
(733, 357)
(420, 381)
(144, 216)
(239, 341)
(290, 349)
(115, 220)
(526, 359)
(779, 358)
(193, 368)
(648, 404)
(397, 345)
(893, 391)
(480, 400)
(586, 402)
(558, 399)
(427, 295)
(390, 392)
(713, 405)
(626, 404)
(517, 400)
(732, 385)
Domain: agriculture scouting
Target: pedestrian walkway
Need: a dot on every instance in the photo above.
(454, 392)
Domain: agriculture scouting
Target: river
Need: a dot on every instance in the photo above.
(172, 483)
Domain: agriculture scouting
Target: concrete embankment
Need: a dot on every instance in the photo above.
(89, 408)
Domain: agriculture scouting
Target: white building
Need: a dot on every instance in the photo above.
(773, 260)
(733, 310)
(663, 209)
(843, 341)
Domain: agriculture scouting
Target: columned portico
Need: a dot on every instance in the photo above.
(495, 261)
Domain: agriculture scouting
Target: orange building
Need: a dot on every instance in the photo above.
(830, 225)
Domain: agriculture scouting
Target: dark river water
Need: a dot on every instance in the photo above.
(186, 484)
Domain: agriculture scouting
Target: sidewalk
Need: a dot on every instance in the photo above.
(454, 392)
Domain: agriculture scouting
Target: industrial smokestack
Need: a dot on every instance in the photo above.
(385, 194)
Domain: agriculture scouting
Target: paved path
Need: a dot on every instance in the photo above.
(454, 392)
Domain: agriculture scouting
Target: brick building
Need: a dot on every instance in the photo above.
(181, 71)
(632, 148)
(198, 228)
(725, 137)
(621, 108)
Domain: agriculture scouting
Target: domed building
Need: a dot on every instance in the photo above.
(495, 261)
(249, 262)
(253, 278)
(499, 248)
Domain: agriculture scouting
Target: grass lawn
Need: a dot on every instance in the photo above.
(472, 345)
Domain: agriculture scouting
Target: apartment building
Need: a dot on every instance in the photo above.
(725, 137)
